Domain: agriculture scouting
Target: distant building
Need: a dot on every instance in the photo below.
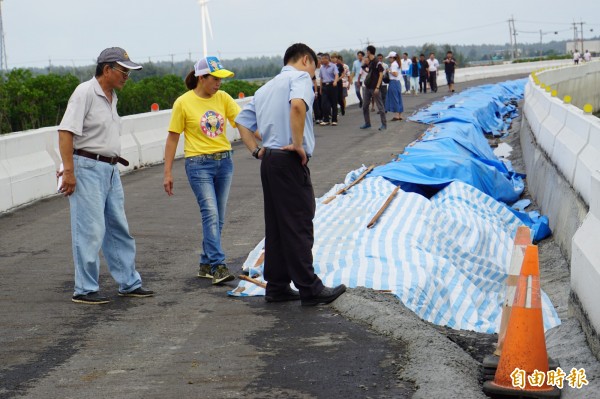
(592, 45)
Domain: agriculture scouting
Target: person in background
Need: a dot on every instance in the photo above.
(337, 60)
(386, 78)
(89, 138)
(202, 114)
(280, 110)
(372, 89)
(576, 57)
(424, 74)
(356, 76)
(346, 80)
(587, 56)
(414, 72)
(433, 65)
(394, 98)
(329, 96)
(404, 65)
(449, 68)
(317, 106)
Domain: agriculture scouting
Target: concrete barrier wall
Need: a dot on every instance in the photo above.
(561, 148)
(29, 160)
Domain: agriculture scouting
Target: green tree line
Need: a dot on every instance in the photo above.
(32, 102)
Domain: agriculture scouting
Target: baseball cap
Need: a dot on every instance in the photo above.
(392, 54)
(211, 66)
(118, 55)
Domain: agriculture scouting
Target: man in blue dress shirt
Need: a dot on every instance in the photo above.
(281, 111)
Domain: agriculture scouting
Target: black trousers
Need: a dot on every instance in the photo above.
(340, 97)
(318, 113)
(433, 80)
(423, 83)
(289, 202)
(329, 101)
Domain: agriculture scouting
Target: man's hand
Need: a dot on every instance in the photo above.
(299, 150)
(68, 182)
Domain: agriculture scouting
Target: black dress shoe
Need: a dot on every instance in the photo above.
(288, 295)
(327, 295)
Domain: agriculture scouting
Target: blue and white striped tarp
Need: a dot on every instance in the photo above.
(445, 258)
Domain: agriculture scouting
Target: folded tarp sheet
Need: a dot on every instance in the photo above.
(446, 258)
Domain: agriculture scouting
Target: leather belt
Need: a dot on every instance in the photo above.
(217, 156)
(270, 151)
(102, 158)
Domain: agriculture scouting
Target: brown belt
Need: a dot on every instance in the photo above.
(97, 157)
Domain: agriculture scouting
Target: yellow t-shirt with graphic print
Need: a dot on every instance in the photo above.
(204, 122)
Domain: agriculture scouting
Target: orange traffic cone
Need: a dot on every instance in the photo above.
(523, 364)
(521, 241)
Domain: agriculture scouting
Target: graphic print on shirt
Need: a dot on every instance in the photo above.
(212, 124)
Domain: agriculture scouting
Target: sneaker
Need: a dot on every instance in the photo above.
(138, 293)
(91, 298)
(382, 128)
(204, 271)
(365, 126)
(324, 123)
(333, 123)
(222, 275)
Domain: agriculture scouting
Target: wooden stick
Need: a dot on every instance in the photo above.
(348, 187)
(252, 280)
(382, 209)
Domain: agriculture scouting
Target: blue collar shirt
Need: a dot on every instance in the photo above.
(328, 73)
(269, 110)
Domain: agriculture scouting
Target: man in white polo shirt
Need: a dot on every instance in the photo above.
(90, 147)
(433, 64)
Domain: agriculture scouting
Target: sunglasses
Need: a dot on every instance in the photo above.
(125, 73)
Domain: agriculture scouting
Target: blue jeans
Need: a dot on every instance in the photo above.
(98, 221)
(210, 181)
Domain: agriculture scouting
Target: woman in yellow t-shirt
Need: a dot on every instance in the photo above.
(202, 114)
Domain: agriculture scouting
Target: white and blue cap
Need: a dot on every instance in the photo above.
(211, 66)
(118, 55)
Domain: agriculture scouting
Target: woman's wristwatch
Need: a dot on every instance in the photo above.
(255, 152)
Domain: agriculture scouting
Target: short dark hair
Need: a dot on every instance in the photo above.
(371, 49)
(379, 55)
(406, 54)
(421, 55)
(100, 67)
(361, 53)
(296, 51)
(449, 52)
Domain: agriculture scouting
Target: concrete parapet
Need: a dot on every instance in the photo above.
(552, 123)
(31, 169)
(585, 266)
(570, 141)
(588, 162)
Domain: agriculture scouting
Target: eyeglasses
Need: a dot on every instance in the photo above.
(125, 73)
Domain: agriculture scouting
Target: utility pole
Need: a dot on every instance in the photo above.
(581, 32)
(575, 36)
(513, 37)
(3, 61)
(172, 65)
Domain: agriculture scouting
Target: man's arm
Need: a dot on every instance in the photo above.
(65, 145)
(297, 121)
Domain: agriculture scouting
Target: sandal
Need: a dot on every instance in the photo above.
(397, 119)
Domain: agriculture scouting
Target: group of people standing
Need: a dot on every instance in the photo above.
(279, 115)
(587, 56)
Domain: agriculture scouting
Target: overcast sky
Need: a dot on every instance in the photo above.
(73, 32)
